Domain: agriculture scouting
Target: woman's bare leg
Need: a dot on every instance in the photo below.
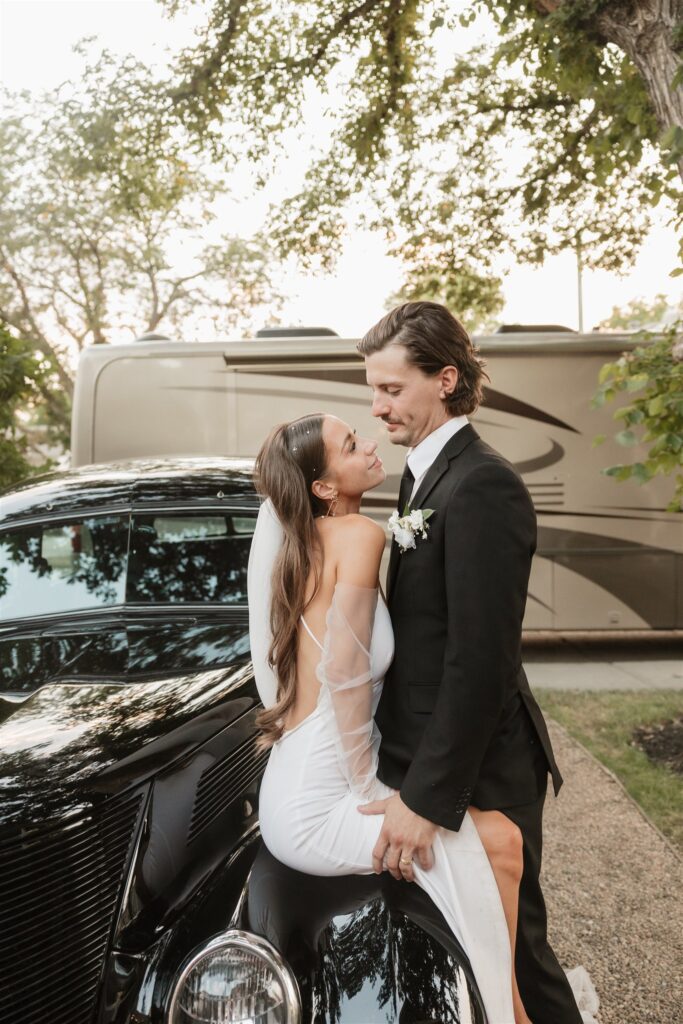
(502, 840)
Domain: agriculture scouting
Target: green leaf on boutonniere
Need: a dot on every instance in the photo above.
(406, 510)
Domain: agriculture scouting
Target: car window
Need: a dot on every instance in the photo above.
(200, 558)
(58, 567)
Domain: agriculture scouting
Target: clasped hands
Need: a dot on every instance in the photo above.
(405, 836)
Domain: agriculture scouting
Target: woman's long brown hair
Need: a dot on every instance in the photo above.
(290, 459)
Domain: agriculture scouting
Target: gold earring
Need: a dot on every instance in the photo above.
(333, 504)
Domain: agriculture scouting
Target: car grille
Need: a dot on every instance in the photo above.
(220, 784)
(59, 889)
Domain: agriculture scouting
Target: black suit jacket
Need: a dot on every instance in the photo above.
(459, 723)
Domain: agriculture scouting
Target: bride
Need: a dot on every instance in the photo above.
(322, 642)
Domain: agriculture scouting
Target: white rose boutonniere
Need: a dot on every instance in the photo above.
(405, 528)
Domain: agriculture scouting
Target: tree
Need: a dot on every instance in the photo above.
(436, 277)
(100, 196)
(641, 315)
(648, 32)
(560, 130)
(654, 368)
(22, 376)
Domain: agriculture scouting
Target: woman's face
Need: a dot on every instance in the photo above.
(353, 465)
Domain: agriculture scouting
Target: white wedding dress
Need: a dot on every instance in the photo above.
(322, 769)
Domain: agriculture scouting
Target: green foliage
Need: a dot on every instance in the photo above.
(605, 722)
(104, 237)
(642, 315)
(435, 151)
(437, 277)
(654, 373)
(22, 375)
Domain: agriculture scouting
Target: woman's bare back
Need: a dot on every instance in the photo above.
(348, 544)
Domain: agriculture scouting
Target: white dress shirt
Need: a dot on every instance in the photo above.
(421, 457)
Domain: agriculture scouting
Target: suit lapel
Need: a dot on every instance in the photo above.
(450, 451)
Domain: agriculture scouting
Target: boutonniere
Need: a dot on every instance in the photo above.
(405, 528)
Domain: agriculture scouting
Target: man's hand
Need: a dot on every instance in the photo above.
(404, 835)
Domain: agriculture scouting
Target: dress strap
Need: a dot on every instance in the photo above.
(310, 633)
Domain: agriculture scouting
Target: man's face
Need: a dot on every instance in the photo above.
(408, 401)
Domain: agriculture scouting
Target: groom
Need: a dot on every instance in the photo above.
(458, 721)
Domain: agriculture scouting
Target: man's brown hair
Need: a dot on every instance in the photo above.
(433, 338)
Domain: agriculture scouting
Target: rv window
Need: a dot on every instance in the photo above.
(62, 567)
(190, 559)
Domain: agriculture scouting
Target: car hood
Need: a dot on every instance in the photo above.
(73, 743)
(364, 949)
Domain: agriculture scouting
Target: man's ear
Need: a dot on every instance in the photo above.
(449, 379)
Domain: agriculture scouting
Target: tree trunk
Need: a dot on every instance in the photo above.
(644, 30)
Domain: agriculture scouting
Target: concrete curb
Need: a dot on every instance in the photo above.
(531, 637)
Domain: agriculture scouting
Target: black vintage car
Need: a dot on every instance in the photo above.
(134, 888)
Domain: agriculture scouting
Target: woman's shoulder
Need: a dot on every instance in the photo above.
(361, 528)
(353, 542)
(359, 543)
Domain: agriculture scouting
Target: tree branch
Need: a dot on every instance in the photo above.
(549, 169)
(37, 335)
(175, 295)
(78, 337)
(212, 65)
(341, 23)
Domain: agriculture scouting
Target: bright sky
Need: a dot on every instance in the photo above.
(36, 39)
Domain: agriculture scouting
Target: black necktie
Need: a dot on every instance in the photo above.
(407, 481)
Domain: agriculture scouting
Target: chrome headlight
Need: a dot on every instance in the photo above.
(236, 978)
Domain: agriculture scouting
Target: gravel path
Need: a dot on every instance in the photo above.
(614, 889)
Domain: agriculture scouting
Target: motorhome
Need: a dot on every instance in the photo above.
(609, 554)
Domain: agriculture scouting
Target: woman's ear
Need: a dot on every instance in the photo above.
(322, 490)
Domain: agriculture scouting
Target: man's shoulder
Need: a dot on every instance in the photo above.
(480, 466)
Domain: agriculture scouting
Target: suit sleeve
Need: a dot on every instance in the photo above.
(490, 537)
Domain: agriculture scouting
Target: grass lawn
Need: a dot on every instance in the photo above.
(604, 723)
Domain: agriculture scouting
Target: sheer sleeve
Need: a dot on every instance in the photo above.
(345, 675)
